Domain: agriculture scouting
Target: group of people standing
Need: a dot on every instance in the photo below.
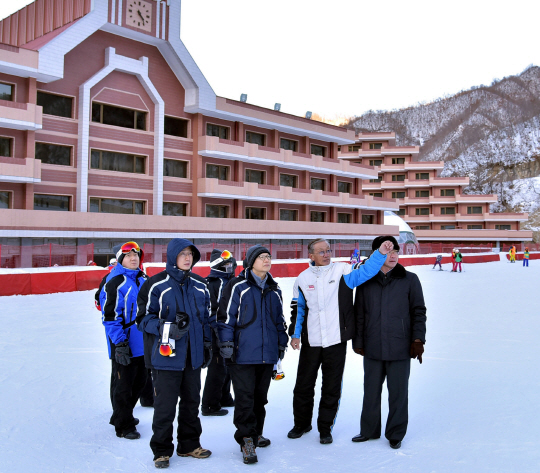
(176, 323)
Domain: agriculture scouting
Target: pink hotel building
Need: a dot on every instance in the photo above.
(109, 131)
(435, 207)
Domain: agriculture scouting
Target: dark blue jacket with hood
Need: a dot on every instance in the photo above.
(171, 291)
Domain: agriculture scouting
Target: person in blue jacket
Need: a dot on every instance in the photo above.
(253, 337)
(118, 301)
(179, 344)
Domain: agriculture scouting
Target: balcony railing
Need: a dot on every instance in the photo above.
(215, 147)
(468, 218)
(26, 170)
(20, 116)
(213, 188)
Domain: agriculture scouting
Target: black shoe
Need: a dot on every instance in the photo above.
(146, 403)
(228, 402)
(326, 439)
(248, 451)
(211, 411)
(263, 442)
(395, 444)
(361, 438)
(161, 462)
(297, 432)
(133, 435)
(136, 421)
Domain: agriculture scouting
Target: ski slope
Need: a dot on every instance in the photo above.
(473, 402)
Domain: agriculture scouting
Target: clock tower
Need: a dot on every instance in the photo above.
(139, 14)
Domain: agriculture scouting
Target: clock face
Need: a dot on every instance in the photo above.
(139, 14)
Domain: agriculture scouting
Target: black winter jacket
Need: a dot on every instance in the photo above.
(390, 314)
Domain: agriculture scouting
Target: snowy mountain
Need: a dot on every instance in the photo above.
(490, 133)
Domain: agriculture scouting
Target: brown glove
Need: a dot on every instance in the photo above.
(359, 351)
(417, 348)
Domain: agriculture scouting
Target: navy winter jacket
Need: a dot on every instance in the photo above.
(171, 291)
(118, 300)
(253, 319)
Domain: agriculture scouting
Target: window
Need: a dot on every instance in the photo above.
(355, 148)
(379, 179)
(344, 187)
(421, 227)
(116, 206)
(375, 145)
(255, 213)
(475, 227)
(398, 195)
(318, 150)
(5, 200)
(318, 216)
(398, 177)
(448, 227)
(318, 184)
(51, 202)
(344, 218)
(174, 168)
(53, 154)
(255, 138)
(6, 147)
(422, 193)
(474, 210)
(216, 130)
(398, 160)
(288, 180)
(176, 127)
(217, 211)
(117, 116)
(284, 143)
(368, 219)
(290, 215)
(111, 161)
(448, 192)
(422, 211)
(217, 172)
(401, 212)
(375, 194)
(448, 211)
(422, 175)
(6, 92)
(255, 176)
(503, 227)
(57, 105)
(175, 209)
(375, 162)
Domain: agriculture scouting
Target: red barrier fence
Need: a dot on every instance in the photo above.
(47, 255)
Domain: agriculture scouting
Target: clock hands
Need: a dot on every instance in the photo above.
(142, 18)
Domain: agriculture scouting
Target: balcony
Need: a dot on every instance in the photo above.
(473, 235)
(468, 218)
(214, 188)
(214, 147)
(458, 199)
(20, 116)
(26, 170)
(379, 153)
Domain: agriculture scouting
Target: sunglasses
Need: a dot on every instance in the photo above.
(166, 349)
(130, 246)
(224, 256)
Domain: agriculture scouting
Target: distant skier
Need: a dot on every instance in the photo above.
(454, 265)
(355, 257)
(438, 262)
(459, 259)
(512, 254)
(526, 256)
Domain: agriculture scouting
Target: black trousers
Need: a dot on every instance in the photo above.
(332, 363)
(217, 387)
(168, 387)
(250, 384)
(127, 387)
(397, 381)
(147, 393)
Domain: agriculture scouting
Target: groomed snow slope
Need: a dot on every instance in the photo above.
(473, 402)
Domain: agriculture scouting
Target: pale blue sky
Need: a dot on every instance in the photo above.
(349, 56)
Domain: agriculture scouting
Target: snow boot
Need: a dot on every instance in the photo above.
(326, 439)
(212, 411)
(297, 432)
(248, 451)
(199, 452)
(133, 435)
(161, 462)
(395, 444)
(263, 442)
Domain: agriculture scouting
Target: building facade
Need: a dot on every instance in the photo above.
(436, 208)
(109, 131)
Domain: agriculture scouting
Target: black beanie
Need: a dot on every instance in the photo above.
(252, 254)
(381, 239)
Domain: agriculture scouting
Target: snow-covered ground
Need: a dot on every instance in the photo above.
(474, 402)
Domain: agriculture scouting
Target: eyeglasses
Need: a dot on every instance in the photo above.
(185, 254)
(322, 253)
(130, 246)
(224, 256)
(265, 257)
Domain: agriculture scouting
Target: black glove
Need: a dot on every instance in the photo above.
(282, 351)
(417, 348)
(226, 349)
(359, 351)
(174, 332)
(122, 353)
(207, 354)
